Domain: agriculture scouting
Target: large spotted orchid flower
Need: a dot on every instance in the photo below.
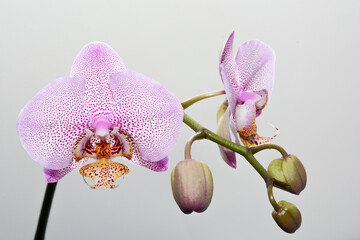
(101, 111)
(248, 79)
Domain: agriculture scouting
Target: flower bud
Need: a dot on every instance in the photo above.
(288, 217)
(289, 170)
(192, 185)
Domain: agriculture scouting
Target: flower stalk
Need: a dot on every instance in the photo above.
(200, 97)
(197, 136)
(259, 148)
(45, 211)
(271, 197)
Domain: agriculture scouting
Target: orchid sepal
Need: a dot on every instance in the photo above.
(223, 117)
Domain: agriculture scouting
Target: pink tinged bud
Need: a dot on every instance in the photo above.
(289, 170)
(288, 217)
(192, 185)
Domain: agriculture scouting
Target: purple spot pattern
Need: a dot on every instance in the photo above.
(227, 61)
(55, 175)
(158, 166)
(52, 122)
(256, 66)
(252, 71)
(95, 63)
(146, 111)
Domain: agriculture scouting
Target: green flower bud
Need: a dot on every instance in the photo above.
(288, 217)
(192, 185)
(289, 170)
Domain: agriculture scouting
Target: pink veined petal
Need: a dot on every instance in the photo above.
(149, 113)
(95, 63)
(256, 66)
(55, 175)
(223, 131)
(51, 123)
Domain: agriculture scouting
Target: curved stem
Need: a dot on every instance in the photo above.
(236, 148)
(45, 211)
(228, 144)
(193, 100)
(197, 136)
(271, 197)
(259, 148)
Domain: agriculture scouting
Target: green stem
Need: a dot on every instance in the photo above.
(257, 149)
(228, 144)
(271, 197)
(197, 127)
(193, 100)
(197, 136)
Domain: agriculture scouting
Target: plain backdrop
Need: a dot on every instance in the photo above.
(314, 103)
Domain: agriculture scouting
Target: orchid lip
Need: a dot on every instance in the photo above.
(103, 171)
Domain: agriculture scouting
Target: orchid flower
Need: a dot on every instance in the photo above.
(101, 111)
(248, 80)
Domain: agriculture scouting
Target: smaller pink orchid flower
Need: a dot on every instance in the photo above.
(248, 79)
(100, 112)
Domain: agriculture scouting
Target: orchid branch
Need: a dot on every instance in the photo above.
(245, 152)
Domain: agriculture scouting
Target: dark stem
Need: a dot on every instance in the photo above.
(45, 210)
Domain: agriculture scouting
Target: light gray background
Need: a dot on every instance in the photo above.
(314, 103)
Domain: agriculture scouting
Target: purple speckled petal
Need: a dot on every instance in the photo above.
(149, 113)
(55, 175)
(51, 123)
(229, 73)
(256, 66)
(137, 159)
(223, 131)
(227, 60)
(231, 95)
(95, 63)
